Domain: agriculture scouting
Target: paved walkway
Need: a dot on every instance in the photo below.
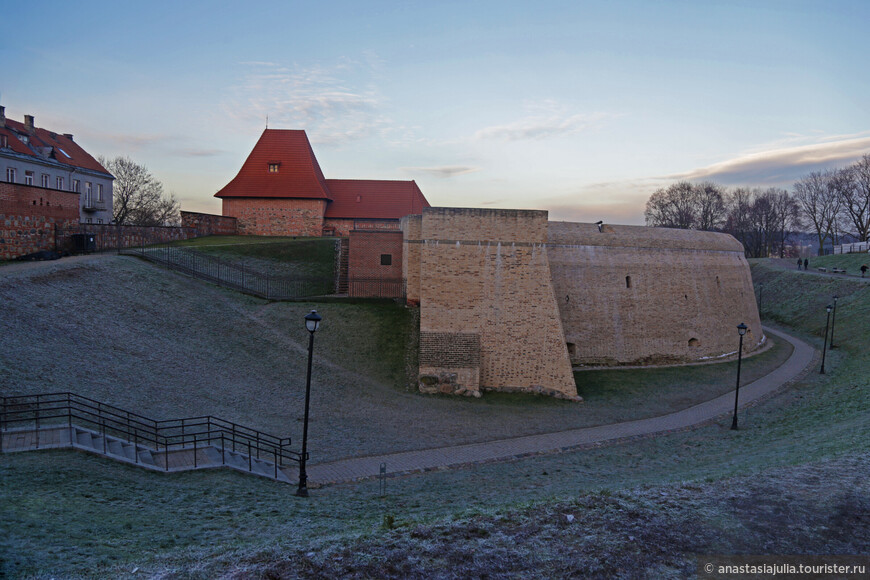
(788, 264)
(459, 455)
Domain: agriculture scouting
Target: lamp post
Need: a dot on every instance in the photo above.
(833, 321)
(741, 330)
(825, 345)
(312, 323)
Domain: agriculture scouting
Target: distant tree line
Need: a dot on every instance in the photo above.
(833, 204)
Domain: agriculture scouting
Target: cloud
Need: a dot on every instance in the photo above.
(332, 108)
(546, 120)
(444, 171)
(199, 152)
(781, 165)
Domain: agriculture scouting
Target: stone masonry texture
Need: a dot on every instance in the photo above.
(29, 217)
(539, 296)
(485, 272)
(276, 217)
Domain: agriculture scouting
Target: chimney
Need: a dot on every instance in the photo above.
(28, 123)
(68, 136)
(2, 116)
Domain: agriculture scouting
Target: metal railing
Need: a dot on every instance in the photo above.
(231, 274)
(190, 433)
(271, 286)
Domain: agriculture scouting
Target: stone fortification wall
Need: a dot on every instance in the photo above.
(375, 263)
(638, 295)
(488, 316)
(206, 224)
(412, 229)
(29, 217)
(276, 217)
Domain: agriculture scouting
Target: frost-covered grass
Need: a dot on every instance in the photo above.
(792, 480)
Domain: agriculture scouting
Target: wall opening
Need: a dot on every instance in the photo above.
(628, 281)
(693, 342)
(572, 349)
(386, 259)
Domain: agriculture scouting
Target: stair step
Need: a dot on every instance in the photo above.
(128, 450)
(84, 438)
(213, 455)
(145, 457)
(116, 448)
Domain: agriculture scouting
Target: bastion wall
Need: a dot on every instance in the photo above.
(509, 301)
(488, 315)
(632, 295)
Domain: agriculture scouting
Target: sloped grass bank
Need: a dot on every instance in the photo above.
(793, 479)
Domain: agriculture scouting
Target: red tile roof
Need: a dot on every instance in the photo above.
(47, 145)
(298, 176)
(374, 199)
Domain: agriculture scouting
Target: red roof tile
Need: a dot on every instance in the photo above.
(298, 175)
(374, 199)
(44, 144)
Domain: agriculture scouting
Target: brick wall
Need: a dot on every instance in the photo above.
(366, 248)
(110, 236)
(207, 224)
(412, 236)
(29, 215)
(485, 273)
(637, 295)
(276, 217)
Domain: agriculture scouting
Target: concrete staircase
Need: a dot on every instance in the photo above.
(203, 455)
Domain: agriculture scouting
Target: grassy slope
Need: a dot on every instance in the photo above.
(474, 520)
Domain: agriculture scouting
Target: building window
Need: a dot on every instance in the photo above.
(273, 167)
(90, 220)
(28, 178)
(88, 187)
(99, 192)
(10, 174)
(45, 180)
(99, 220)
(76, 186)
(628, 281)
(386, 259)
(58, 183)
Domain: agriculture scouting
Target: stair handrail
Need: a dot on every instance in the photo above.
(63, 407)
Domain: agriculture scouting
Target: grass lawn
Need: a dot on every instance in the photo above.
(792, 480)
(310, 257)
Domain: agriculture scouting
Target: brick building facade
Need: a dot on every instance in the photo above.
(30, 216)
(281, 191)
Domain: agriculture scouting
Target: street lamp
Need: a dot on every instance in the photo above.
(312, 323)
(741, 330)
(825, 345)
(833, 321)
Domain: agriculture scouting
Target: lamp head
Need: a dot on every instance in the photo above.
(312, 321)
(829, 308)
(741, 329)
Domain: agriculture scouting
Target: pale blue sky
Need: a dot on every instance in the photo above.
(581, 108)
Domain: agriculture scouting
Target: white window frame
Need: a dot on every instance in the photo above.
(46, 179)
(59, 183)
(76, 185)
(100, 192)
(28, 178)
(10, 174)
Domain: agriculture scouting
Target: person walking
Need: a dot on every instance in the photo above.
(806, 263)
(863, 269)
(799, 263)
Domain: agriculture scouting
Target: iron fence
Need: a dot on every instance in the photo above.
(268, 285)
(68, 409)
(235, 275)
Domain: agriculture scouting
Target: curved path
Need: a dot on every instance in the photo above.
(359, 468)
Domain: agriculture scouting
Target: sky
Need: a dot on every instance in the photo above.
(579, 108)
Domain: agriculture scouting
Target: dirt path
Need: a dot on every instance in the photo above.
(355, 469)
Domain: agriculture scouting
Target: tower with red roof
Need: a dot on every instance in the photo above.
(281, 191)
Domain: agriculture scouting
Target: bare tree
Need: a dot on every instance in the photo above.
(852, 186)
(710, 211)
(687, 206)
(138, 197)
(820, 204)
(761, 220)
